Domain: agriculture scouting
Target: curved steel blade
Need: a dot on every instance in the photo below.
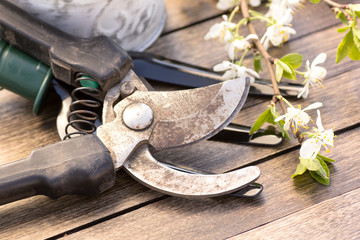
(180, 117)
(147, 170)
(192, 115)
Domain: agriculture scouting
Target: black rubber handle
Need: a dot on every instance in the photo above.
(67, 55)
(81, 165)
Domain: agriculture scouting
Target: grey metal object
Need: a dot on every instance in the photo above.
(147, 170)
(180, 118)
(132, 24)
(138, 116)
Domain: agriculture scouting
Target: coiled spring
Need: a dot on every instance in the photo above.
(84, 108)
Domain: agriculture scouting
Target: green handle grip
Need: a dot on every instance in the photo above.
(24, 75)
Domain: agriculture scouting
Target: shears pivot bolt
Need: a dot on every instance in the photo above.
(138, 116)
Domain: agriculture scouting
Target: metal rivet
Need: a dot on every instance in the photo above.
(138, 116)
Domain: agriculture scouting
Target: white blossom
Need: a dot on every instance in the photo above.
(311, 147)
(254, 3)
(221, 31)
(227, 4)
(314, 74)
(238, 45)
(278, 8)
(235, 71)
(297, 117)
(279, 32)
(280, 12)
(295, 5)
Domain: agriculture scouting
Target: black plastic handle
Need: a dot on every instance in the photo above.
(81, 165)
(67, 55)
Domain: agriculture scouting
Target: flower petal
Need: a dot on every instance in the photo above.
(327, 137)
(318, 122)
(313, 106)
(231, 51)
(252, 72)
(310, 148)
(255, 3)
(252, 37)
(279, 118)
(302, 119)
(225, 65)
(305, 91)
(321, 58)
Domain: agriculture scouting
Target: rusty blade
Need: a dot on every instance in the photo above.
(179, 117)
(189, 116)
(146, 169)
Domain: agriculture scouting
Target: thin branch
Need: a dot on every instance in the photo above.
(268, 59)
(336, 5)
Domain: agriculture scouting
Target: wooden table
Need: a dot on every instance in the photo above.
(288, 208)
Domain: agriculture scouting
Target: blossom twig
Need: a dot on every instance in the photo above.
(269, 60)
(336, 5)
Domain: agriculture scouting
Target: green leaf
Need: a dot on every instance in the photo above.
(284, 66)
(299, 170)
(342, 17)
(325, 158)
(357, 13)
(287, 71)
(343, 29)
(291, 76)
(315, 1)
(345, 46)
(313, 164)
(356, 32)
(356, 36)
(278, 72)
(319, 178)
(257, 62)
(322, 175)
(264, 117)
(293, 59)
(280, 124)
(354, 53)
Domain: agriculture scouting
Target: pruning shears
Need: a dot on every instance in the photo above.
(133, 118)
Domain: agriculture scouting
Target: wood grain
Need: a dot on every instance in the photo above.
(187, 12)
(339, 216)
(219, 218)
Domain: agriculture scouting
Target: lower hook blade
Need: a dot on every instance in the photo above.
(147, 170)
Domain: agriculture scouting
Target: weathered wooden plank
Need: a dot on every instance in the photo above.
(336, 218)
(187, 12)
(219, 218)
